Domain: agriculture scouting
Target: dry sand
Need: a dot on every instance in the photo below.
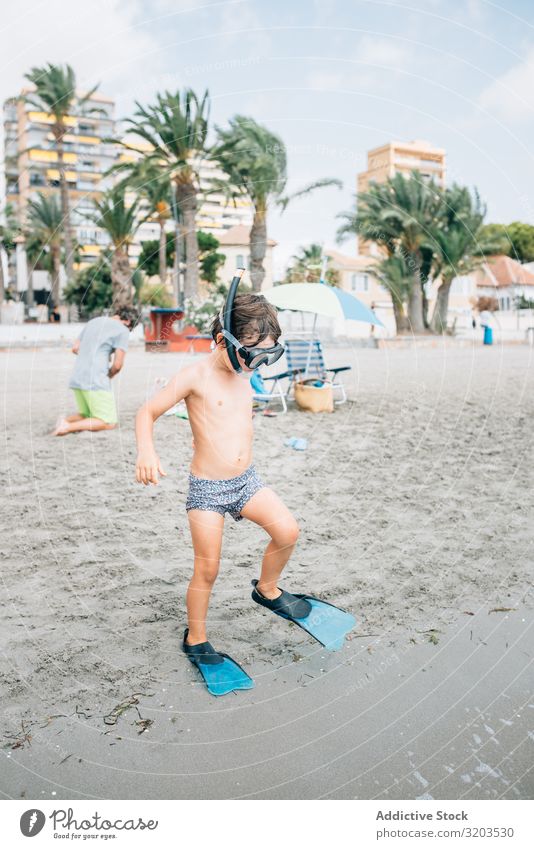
(415, 501)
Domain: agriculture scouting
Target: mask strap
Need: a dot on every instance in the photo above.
(226, 318)
(231, 338)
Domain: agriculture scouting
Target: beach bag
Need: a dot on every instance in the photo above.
(314, 396)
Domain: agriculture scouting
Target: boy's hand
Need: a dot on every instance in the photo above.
(147, 468)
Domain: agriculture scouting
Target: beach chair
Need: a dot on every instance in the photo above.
(306, 356)
(275, 391)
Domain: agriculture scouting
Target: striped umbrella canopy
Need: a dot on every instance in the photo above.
(321, 299)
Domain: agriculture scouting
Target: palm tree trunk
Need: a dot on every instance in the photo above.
(425, 305)
(415, 306)
(441, 308)
(30, 301)
(56, 270)
(2, 281)
(177, 264)
(401, 319)
(162, 253)
(187, 201)
(65, 209)
(415, 298)
(121, 278)
(258, 249)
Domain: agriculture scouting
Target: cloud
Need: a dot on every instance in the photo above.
(242, 27)
(102, 40)
(511, 96)
(366, 67)
(382, 51)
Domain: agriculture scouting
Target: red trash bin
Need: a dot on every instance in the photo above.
(168, 332)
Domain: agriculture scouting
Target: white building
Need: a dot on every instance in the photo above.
(234, 244)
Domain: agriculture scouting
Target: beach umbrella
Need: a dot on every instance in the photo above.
(321, 299)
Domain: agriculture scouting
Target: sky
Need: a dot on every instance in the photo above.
(334, 78)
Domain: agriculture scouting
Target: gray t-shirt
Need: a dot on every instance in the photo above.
(99, 338)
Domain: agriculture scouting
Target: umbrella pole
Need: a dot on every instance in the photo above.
(310, 346)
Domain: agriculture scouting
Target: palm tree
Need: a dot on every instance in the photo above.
(254, 161)
(459, 245)
(37, 260)
(120, 223)
(55, 94)
(306, 267)
(152, 182)
(8, 231)
(399, 216)
(392, 272)
(176, 128)
(44, 220)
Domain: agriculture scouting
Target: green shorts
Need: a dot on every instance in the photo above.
(96, 404)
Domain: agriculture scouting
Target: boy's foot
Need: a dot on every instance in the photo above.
(220, 672)
(269, 593)
(283, 603)
(61, 428)
(189, 642)
(203, 652)
(325, 622)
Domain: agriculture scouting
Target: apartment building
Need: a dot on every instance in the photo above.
(31, 166)
(31, 163)
(397, 157)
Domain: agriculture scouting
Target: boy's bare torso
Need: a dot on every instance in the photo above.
(220, 415)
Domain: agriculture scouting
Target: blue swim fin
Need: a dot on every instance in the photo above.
(327, 623)
(220, 672)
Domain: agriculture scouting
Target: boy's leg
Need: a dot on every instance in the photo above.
(206, 533)
(82, 423)
(265, 508)
(96, 409)
(63, 421)
(60, 428)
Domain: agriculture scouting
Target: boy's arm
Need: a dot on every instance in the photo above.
(148, 465)
(76, 347)
(118, 362)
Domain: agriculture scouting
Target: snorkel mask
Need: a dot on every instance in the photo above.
(252, 355)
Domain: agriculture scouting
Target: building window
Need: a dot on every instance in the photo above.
(88, 236)
(359, 282)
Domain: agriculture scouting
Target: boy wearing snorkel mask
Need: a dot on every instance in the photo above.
(218, 396)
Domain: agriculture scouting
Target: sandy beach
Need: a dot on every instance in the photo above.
(415, 501)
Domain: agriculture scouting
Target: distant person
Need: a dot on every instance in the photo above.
(486, 322)
(101, 348)
(55, 315)
(373, 306)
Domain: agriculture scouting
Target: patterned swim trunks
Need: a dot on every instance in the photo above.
(223, 496)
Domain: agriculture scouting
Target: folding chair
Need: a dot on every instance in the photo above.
(306, 356)
(276, 391)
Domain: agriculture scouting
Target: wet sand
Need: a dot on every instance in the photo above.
(415, 501)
